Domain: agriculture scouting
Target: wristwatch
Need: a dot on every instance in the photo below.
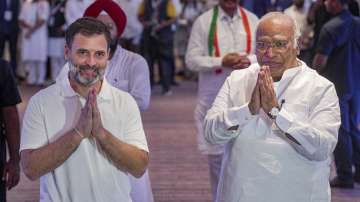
(274, 112)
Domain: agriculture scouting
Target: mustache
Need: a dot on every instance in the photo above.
(95, 68)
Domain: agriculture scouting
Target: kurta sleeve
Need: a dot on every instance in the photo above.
(224, 121)
(197, 58)
(139, 85)
(317, 135)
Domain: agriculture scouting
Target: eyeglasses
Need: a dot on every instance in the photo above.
(278, 45)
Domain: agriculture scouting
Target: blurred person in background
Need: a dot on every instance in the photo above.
(33, 22)
(158, 18)
(222, 39)
(299, 12)
(9, 12)
(190, 10)
(317, 17)
(130, 39)
(9, 130)
(56, 30)
(74, 9)
(337, 59)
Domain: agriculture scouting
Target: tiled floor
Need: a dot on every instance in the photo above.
(178, 172)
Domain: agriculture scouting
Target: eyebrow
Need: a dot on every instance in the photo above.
(87, 50)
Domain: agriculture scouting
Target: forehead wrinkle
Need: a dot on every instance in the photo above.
(274, 26)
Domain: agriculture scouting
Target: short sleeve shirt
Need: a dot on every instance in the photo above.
(334, 42)
(87, 175)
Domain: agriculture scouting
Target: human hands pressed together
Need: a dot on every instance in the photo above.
(97, 126)
(267, 92)
(89, 124)
(263, 95)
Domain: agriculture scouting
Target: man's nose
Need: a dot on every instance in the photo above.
(269, 51)
(91, 61)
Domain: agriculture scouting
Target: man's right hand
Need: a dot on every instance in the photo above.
(84, 125)
(255, 102)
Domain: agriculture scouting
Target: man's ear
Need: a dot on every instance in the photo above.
(298, 46)
(67, 52)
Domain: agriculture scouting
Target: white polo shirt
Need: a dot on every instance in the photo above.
(87, 175)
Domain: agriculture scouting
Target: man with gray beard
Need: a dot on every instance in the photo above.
(82, 136)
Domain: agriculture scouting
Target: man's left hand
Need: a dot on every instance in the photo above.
(11, 173)
(267, 92)
(242, 62)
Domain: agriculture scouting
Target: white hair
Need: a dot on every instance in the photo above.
(295, 26)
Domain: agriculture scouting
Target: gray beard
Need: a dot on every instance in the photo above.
(75, 74)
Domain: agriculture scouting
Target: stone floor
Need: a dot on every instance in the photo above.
(178, 172)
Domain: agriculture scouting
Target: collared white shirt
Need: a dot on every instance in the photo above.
(127, 71)
(231, 38)
(260, 154)
(87, 175)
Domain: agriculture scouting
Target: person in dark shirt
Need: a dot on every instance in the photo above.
(337, 58)
(9, 130)
(354, 7)
(9, 12)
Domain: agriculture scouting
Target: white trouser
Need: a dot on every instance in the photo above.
(214, 162)
(56, 64)
(141, 188)
(36, 72)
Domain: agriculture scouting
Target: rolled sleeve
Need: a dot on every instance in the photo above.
(223, 121)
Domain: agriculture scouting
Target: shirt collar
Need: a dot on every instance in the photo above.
(67, 91)
(224, 16)
(290, 73)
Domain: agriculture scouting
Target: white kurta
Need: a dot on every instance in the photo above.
(261, 163)
(232, 38)
(35, 47)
